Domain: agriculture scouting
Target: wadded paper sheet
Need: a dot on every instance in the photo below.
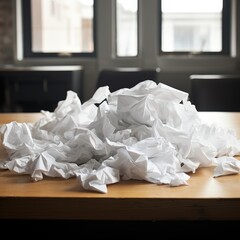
(149, 132)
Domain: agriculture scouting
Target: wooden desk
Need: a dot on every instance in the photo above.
(205, 198)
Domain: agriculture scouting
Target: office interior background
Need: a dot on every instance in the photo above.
(177, 38)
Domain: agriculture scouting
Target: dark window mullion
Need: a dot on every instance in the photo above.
(26, 27)
(226, 26)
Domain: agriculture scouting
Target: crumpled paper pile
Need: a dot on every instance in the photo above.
(149, 132)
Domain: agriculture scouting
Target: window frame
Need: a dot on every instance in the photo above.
(226, 38)
(27, 36)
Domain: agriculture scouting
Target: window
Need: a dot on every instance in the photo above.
(58, 28)
(67, 28)
(127, 28)
(195, 26)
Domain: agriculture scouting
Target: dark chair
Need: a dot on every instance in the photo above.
(215, 92)
(118, 78)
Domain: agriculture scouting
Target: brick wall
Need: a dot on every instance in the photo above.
(6, 31)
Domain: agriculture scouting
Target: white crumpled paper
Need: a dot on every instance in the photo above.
(149, 132)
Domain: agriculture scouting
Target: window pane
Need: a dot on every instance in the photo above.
(127, 27)
(62, 26)
(192, 25)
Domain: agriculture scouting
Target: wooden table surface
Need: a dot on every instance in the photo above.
(205, 198)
